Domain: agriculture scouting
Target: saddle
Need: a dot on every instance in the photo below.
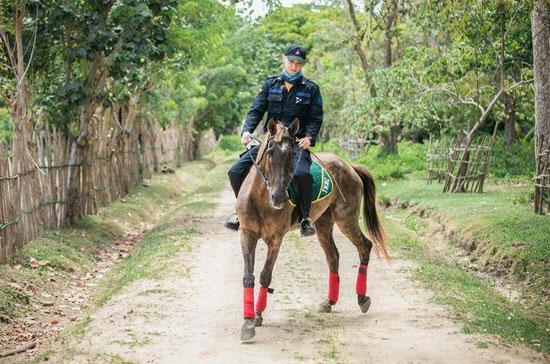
(321, 188)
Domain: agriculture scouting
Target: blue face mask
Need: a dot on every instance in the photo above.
(291, 78)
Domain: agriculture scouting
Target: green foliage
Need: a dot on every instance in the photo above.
(329, 146)
(508, 236)
(11, 300)
(5, 126)
(91, 41)
(513, 162)
(230, 143)
(470, 299)
(169, 236)
(411, 158)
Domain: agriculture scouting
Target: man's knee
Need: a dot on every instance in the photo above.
(232, 173)
(302, 172)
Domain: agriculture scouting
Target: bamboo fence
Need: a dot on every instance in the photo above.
(542, 183)
(354, 145)
(438, 159)
(58, 180)
(468, 165)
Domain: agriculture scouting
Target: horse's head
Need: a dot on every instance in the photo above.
(277, 160)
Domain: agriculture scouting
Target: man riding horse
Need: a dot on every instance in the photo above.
(265, 207)
(285, 97)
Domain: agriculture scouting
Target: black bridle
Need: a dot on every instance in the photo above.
(262, 174)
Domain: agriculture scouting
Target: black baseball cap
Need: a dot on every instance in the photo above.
(296, 52)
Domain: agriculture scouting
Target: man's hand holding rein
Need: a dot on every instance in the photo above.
(304, 142)
(246, 137)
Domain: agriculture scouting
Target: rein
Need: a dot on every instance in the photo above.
(260, 172)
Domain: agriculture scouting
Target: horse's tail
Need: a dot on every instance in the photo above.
(372, 222)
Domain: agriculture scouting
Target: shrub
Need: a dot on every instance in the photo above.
(515, 161)
(411, 158)
(230, 143)
(331, 146)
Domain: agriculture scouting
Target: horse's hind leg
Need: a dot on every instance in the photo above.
(273, 246)
(324, 226)
(350, 228)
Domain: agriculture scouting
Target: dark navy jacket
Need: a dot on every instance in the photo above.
(302, 101)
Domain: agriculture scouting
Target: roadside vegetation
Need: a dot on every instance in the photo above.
(472, 302)
(487, 239)
(160, 215)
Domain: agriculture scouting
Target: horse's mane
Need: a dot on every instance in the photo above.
(261, 151)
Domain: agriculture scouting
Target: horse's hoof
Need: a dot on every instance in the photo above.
(248, 331)
(258, 320)
(364, 303)
(325, 307)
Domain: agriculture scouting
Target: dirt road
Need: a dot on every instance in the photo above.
(194, 313)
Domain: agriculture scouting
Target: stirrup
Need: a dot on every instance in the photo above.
(306, 229)
(232, 222)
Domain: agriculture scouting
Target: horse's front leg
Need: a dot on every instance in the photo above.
(273, 246)
(248, 246)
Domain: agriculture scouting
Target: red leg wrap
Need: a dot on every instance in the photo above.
(361, 284)
(333, 286)
(262, 300)
(248, 302)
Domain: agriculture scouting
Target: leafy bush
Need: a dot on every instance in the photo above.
(411, 158)
(515, 161)
(5, 126)
(230, 143)
(331, 146)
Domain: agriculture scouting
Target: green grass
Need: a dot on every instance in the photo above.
(133, 340)
(11, 299)
(479, 307)
(508, 235)
(76, 248)
(152, 256)
(513, 162)
(411, 158)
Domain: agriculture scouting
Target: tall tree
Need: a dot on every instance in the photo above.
(388, 138)
(540, 30)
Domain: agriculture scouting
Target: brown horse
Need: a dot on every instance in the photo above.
(265, 212)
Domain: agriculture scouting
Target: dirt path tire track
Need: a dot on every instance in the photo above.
(194, 313)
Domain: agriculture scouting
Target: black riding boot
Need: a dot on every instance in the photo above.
(232, 222)
(304, 196)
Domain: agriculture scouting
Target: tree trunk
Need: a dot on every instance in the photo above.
(510, 134)
(388, 140)
(540, 28)
(197, 136)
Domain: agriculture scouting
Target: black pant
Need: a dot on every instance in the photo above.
(302, 179)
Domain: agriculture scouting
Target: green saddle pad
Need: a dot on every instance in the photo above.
(322, 184)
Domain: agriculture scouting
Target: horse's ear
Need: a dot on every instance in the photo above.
(272, 126)
(293, 128)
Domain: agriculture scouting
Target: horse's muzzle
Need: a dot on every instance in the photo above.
(277, 200)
